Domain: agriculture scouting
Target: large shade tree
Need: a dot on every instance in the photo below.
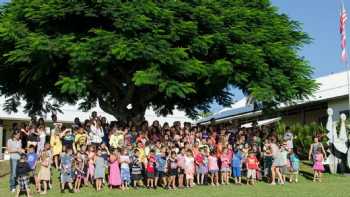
(159, 53)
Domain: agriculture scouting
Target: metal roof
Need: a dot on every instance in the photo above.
(330, 87)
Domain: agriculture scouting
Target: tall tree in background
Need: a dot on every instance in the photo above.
(142, 53)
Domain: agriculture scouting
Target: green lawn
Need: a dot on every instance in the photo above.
(332, 186)
(4, 168)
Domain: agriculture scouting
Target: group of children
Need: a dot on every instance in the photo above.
(171, 158)
(38, 167)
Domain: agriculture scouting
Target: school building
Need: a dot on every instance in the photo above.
(332, 93)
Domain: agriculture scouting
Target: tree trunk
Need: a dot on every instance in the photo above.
(136, 114)
(116, 103)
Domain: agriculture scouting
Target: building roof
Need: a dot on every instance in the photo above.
(330, 87)
(72, 111)
(261, 122)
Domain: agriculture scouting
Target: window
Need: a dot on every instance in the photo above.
(346, 112)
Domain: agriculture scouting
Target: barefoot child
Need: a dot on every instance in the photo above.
(82, 164)
(189, 168)
(100, 167)
(172, 169)
(32, 159)
(205, 162)
(44, 175)
(294, 167)
(150, 169)
(252, 165)
(136, 168)
(161, 168)
(200, 167)
(66, 170)
(124, 161)
(213, 168)
(225, 167)
(91, 164)
(114, 171)
(181, 169)
(79, 171)
(318, 165)
(236, 165)
(22, 172)
(47, 150)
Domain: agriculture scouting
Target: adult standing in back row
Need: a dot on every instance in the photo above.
(314, 147)
(96, 133)
(14, 148)
(288, 137)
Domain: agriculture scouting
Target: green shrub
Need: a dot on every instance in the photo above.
(303, 135)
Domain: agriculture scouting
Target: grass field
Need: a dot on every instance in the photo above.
(332, 186)
(4, 168)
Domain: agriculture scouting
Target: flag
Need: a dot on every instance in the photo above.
(343, 19)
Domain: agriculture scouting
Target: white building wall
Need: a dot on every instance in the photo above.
(72, 111)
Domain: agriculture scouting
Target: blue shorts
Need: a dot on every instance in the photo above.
(125, 175)
(160, 174)
(236, 171)
(214, 171)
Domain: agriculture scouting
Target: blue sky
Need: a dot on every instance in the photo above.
(320, 19)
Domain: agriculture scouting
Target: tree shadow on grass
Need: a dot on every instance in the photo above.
(306, 170)
(308, 175)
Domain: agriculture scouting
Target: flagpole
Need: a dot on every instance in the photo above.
(344, 58)
(348, 83)
(346, 61)
(347, 66)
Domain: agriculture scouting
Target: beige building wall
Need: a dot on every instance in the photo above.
(338, 106)
(316, 115)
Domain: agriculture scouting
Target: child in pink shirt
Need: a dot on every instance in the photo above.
(181, 170)
(213, 168)
(318, 165)
(225, 166)
(189, 168)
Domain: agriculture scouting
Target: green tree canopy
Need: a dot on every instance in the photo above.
(159, 53)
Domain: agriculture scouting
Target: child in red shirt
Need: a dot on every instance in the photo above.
(150, 171)
(252, 165)
(199, 161)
